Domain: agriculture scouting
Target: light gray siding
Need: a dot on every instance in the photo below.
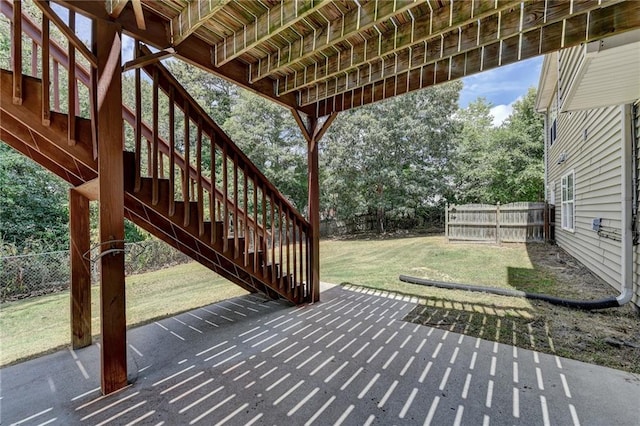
(591, 142)
(636, 252)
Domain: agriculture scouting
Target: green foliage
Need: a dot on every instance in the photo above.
(391, 158)
(503, 164)
(214, 94)
(33, 204)
(270, 137)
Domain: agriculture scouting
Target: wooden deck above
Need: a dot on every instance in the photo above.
(323, 56)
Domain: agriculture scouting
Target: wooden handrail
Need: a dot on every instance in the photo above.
(253, 213)
(196, 112)
(59, 55)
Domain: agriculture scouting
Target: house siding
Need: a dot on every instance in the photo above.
(591, 142)
(636, 251)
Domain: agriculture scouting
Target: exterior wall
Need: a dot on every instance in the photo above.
(636, 250)
(591, 143)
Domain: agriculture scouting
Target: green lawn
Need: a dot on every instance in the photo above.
(45, 320)
(372, 263)
(378, 263)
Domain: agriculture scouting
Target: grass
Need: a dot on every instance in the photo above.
(538, 268)
(377, 263)
(45, 319)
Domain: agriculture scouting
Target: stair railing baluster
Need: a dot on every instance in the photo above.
(287, 253)
(280, 245)
(16, 52)
(245, 221)
(172, 152)
(186, 177)
(236, 228)
(225, 198)
(256, 237)
(213, 201)
(199, 190)
(295, 254)
(71, 85)
(154, 153)
(265, 235)
(149, 155)
(34, 58)
(46, 101)
(56, 86)
(138, 124)
(273, 240)
(303, 262)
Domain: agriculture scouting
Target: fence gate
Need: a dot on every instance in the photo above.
(514, 222)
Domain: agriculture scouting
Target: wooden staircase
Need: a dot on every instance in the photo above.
(186, 182)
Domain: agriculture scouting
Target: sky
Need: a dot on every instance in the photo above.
(502, 86)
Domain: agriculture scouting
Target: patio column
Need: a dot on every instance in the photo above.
(80, 270)
(313, 129)
(107, 39)
(314, 215)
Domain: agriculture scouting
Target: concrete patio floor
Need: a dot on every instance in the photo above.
(349, 360)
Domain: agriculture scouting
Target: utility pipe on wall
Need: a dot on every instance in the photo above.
(626, 189)
(626, 246)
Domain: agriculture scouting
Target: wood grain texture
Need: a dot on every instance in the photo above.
(80, 291)
(113, 351)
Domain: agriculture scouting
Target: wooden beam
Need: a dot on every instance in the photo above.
(427, 29)
(314, 214)
(113, 351)
(80, 269)
(360, 19)
(141, 61)
(461, 53)
(313, 130)
(192, 17)
(68, 32)
(194, 50)
(139, 14)
(89, 190)
(115, 7)
(303, 122)
(266, 26)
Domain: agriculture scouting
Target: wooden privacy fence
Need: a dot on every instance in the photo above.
(514, 222)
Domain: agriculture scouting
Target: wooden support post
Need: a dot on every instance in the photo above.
(314, 214)
(80, 270)
(113, 352)
(313, 130)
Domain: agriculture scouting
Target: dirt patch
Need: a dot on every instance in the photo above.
(608, 337)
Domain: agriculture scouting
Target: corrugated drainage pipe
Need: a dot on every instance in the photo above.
(626, 273)
(610, 302)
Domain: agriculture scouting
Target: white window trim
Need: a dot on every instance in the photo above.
(564, 203)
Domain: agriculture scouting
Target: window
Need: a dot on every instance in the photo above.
(568, 201)
(553, 122)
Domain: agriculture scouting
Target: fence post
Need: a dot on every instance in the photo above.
(446, 221)
(498, 223)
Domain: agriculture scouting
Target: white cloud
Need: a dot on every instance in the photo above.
(501, 113)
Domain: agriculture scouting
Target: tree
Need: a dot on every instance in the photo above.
(33, 204)
(502, 164)
(391, 158)
(270, 137)
(472, 176)
(214, 94)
